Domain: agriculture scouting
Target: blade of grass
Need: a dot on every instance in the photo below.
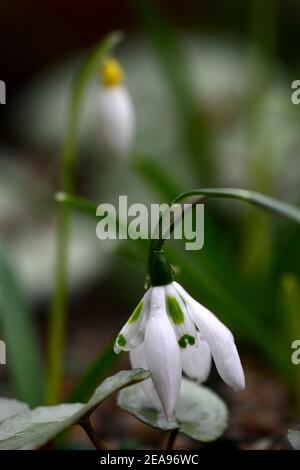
(23, 355)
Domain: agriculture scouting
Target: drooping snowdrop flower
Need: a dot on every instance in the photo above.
(168, 332)
(117, 115)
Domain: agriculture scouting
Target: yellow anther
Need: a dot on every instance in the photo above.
(111, 73)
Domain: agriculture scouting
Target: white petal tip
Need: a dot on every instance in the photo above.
(117, 350)
(240, 387)
(168, 412)
(237, 383)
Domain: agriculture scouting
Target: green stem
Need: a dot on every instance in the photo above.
(198, 196)
(58, 314)
(251, 197)
(79, 203)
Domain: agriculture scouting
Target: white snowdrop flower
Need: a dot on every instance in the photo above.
(117, 117)
(170, 332)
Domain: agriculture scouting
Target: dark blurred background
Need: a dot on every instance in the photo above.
(34, 34)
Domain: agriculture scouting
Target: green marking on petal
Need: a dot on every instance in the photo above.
(185, 340)
(174, 310)
(136, 313)
(121, 341)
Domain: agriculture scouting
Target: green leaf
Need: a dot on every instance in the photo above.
(294, 439)
(31, 429)
(199, 412)
(23, 355)
(135, 402)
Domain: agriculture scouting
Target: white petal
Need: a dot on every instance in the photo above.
(133, 332)
(117, 120)
(162, 352)
(180, 317)
(220, 341)
(138, 359)
(196, 360)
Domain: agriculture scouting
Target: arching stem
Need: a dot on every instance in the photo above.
(198, 196)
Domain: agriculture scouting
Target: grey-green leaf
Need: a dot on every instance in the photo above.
(10, 408)
(294, 439)
(199, 412)
(31, 429)
(133, 400)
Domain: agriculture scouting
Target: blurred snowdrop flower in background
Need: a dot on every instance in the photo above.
(116, 111)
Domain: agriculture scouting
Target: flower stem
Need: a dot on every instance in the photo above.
(58, 315)
(270, 204)
(171, 439)
(198, 196)
(86, 424)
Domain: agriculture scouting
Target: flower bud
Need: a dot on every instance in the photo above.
(117, 115)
